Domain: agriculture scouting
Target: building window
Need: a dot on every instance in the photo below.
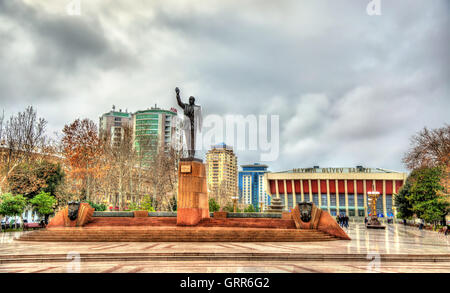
(290, 201)
(380, 205)
(351, 200)
(324, 200)
(332, 200)
(316, 199)
(361, 200)
(389, 203)
(341, 200)
(333, 212)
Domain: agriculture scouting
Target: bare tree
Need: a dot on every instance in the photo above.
(119, 161)
(163, 176)
(24, 136)
(2, 118)
(429, 148)
(33, 130)
(221, 193)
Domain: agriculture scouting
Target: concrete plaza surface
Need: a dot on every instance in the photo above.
(396, 249)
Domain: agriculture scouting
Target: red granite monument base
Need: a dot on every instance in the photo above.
(192, 203)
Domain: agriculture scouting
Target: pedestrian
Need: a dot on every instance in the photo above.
(346, 221)
(365, 220)
(421, 224)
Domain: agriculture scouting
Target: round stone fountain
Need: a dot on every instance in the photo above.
(276, 206)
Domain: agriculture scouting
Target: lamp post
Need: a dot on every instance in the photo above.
(373, 220)
(234, 198)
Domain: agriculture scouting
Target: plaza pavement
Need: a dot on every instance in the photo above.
(396, 249)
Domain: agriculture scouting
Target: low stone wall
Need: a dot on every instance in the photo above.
(254, 215)
(174, 214)
(113, 214)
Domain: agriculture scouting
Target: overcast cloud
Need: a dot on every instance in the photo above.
(350, 88)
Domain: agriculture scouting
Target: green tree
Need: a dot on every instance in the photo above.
(147, 204)
(402, 203)
(250, 209)
(12, 205)
(43, 204)
(53, 174)
(426, 194)
(213, 205)
(29, 179)
(133, 207)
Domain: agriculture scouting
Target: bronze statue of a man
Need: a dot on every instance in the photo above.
(192, 122)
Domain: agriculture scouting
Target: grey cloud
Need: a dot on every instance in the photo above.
(349, 88)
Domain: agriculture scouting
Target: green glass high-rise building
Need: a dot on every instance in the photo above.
(155, 129)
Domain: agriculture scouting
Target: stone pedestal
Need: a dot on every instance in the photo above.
(374, 223)
(192, 201)
(220, 215)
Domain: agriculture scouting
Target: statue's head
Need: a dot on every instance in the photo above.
(73, 207)
(191, 100)
(305, 211)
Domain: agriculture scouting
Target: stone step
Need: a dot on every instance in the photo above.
(175, 236)
(180, 231)
(181, 235)
(176, 239)
(221, 256)
(171, 221)
(178, 234)
(171, 234)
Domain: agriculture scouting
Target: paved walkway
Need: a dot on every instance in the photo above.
(415, 251)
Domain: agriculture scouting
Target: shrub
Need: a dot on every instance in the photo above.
(12, 205)
(98, 207)
(213, 205)
(43, 203)
(147, 204)
(250, 209)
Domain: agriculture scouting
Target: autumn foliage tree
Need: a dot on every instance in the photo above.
(82, 149)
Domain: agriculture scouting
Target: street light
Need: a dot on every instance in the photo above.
(373, 221)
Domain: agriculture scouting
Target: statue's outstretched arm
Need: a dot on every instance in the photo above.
(180, 103)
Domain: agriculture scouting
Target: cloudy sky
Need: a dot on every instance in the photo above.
(349, 88)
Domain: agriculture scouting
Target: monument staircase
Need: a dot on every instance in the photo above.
(164, 229)
(173, 234)
(192, 224)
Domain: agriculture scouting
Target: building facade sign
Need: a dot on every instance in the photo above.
(332, 170)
